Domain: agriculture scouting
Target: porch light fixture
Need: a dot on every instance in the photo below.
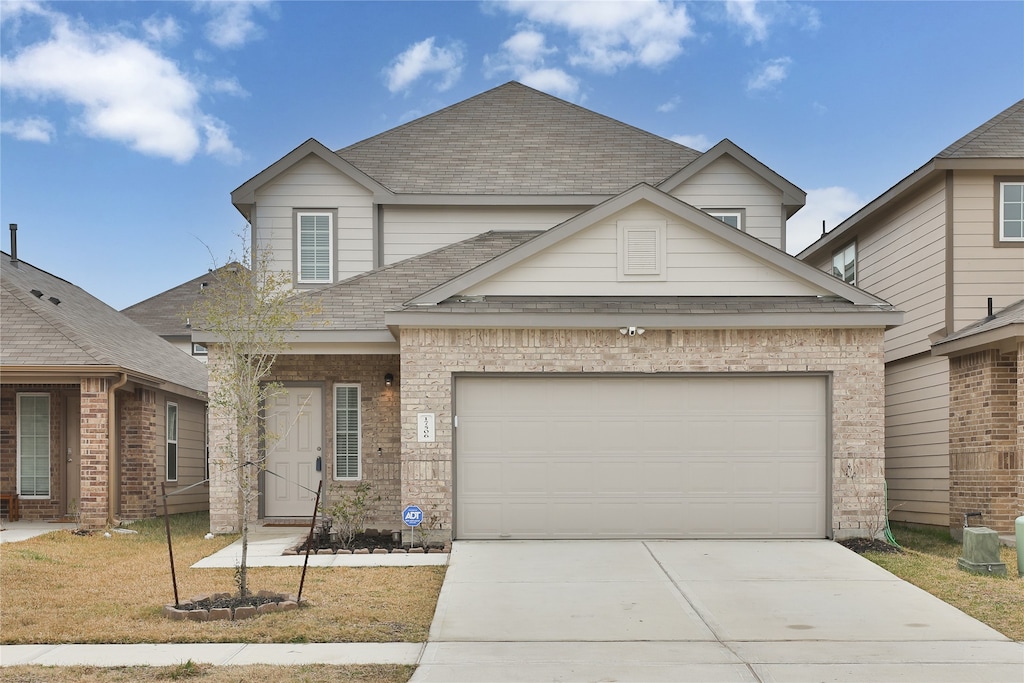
(389, 379)
(631, 331)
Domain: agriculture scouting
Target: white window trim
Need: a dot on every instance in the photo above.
(1002, 210)
(298, 247)
(199, 349)
(659, 271)
(170, 441)
(17, 437)
(359, 433)
(856, 265)
(718, 213)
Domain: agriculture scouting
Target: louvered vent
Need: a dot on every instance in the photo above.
(641, 251)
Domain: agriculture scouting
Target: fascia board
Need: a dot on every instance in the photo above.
(1000, 337)
(381, 336)
(859, 319)
(73, 374)
(587, 200)
(791, 194)
(741, 240)
(245, 194)
(848, 228)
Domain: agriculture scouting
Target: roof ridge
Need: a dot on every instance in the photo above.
(983, 129)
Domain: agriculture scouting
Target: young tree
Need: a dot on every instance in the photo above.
(245, 311)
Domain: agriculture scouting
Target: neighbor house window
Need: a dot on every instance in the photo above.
(34, 445)
(172, 442)
(314, 247)
(1011, 211)
(733, 218)
(346, 432)
(844, 264)
(199, 349)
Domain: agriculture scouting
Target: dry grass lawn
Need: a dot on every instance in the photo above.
(63, 588)
(202, 673)
(930, 563)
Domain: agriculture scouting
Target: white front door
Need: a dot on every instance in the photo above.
(294, 444)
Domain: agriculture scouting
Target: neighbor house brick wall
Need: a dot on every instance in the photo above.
(853, 358)
(986, 469)
(139, 494)
(92, 507)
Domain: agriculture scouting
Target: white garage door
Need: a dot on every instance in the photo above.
(632, 457)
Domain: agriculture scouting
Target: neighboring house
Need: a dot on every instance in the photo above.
(942, 244)
(86, 392)
(167, 313)
(538, 322)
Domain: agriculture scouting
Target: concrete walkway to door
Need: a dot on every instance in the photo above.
(697, 611)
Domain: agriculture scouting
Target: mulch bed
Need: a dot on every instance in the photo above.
(369, 540)
(864, 545)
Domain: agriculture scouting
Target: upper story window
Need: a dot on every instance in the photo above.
(1011, 211)
(733, 218)
(844, 264)
(314, 247)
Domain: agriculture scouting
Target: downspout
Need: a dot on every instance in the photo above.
(113, 477)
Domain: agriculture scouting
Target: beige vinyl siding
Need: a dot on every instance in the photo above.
(728, 184)
(917, 439)
(904, 263)
(697, 265)
(981, 270)
(413, 230)
(191, 454)
(313, 184)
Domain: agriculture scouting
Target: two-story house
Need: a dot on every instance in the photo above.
(539, 322)
(946, 246)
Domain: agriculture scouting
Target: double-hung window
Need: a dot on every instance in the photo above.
(33, 445)
(1011, 211)
(314, 243)
(347, 463)
(844, 264)
(172, 442)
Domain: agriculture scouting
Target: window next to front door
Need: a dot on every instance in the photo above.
(347, 463)
(33, 445)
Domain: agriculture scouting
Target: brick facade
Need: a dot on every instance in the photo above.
(852, 357)
(381, 457)
(986, 438)
(139, 493)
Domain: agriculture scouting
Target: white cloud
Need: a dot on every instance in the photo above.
(701, 143)
(32, 129)
(524, 57)
(612, 35)
(770, 74)
(421, 59)
(671, 105)
(161, 29)
(123, 89)
(232, 24)
(830, 204)
(746, 14)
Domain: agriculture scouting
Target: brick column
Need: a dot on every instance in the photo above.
(92, 504)
(225, 497)
(984, 428)
(139, 494)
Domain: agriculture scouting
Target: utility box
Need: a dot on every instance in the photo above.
(981, 552)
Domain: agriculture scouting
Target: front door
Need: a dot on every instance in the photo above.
(72, 454)
(294, 446)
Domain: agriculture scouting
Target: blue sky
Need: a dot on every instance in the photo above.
(126, 125)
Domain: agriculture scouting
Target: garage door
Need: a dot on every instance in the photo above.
(641, 457)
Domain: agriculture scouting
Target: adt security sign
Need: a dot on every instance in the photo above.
(412, 516)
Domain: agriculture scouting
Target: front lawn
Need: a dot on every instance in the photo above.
(64, 588)
(929, 562)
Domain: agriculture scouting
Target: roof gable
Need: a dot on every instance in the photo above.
(1002, 136)
(514, 140)
(166, 313)
(49, 322)
(750, 252)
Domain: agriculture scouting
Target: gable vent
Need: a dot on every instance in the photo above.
(642, 250)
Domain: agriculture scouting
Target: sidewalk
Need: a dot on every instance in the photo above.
(265, 547)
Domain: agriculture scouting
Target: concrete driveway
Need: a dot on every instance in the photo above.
(697, 611)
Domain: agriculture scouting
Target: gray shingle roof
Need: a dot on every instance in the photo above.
(1011, 315)
(80, 330)
(1000, 137)
(360, 302)
(514, 140)
(166, 313)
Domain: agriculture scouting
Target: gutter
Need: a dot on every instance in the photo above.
(113, 479)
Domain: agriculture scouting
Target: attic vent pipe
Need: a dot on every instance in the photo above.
(14, 244)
